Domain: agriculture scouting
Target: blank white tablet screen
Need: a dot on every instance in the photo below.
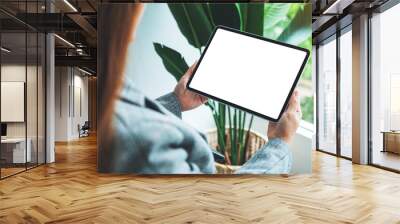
(252, 73)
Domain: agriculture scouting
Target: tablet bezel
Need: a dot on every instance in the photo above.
(233, 104)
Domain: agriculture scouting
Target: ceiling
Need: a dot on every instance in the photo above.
(332, 15)
(75, 23)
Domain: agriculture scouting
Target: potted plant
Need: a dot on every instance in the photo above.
(196, 21)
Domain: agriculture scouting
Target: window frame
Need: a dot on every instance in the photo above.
(334, 37)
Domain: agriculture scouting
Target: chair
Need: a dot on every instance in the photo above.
(84, 130)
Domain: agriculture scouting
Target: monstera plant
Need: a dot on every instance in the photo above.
(196, 21)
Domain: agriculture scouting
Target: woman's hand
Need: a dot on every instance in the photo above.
(188, 99)
(286, 127)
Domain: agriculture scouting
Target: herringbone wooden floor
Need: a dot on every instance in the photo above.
(71, 191)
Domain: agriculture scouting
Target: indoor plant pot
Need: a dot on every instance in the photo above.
(255, 141)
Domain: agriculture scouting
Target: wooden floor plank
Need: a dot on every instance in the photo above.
(71, 191)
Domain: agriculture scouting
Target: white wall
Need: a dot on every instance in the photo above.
(146, 70)
(61, 104)
(71, 92)
(301, 147)
(80, 82)
(33, 126)
(11, 73)
(145, 67)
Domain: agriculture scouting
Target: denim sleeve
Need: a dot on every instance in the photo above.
(273, 158)
(171, 103)
(158, 147)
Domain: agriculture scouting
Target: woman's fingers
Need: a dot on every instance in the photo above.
(189, 72)
(203, 99)
(294, 102)
(191, 69)
(299, 112)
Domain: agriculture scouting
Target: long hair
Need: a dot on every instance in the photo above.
(116, 27)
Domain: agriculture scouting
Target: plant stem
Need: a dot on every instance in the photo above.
(221, 127)
(243, 138)
(220, 138)
(230, 131)
(234, 146)
(240, 135)
(222, 121)
(248, 132)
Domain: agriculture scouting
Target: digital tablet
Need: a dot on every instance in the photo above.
(249, 72)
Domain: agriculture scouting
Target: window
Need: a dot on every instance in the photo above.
(346, 93)
(327, 96)
(22, 88)
(385, 89)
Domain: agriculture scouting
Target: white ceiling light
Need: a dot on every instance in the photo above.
(70, 5)
(79, 51)
(84, 71)
(5, 50)
(65, 41)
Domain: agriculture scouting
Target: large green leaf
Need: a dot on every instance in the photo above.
(172, 60)
(275, 31)
(225, 14)
(274, 13)
(252, 16)
(207, 10)
(193, 22)
(299, 29)
(308, 68)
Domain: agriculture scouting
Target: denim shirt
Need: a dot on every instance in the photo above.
(150, 138)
